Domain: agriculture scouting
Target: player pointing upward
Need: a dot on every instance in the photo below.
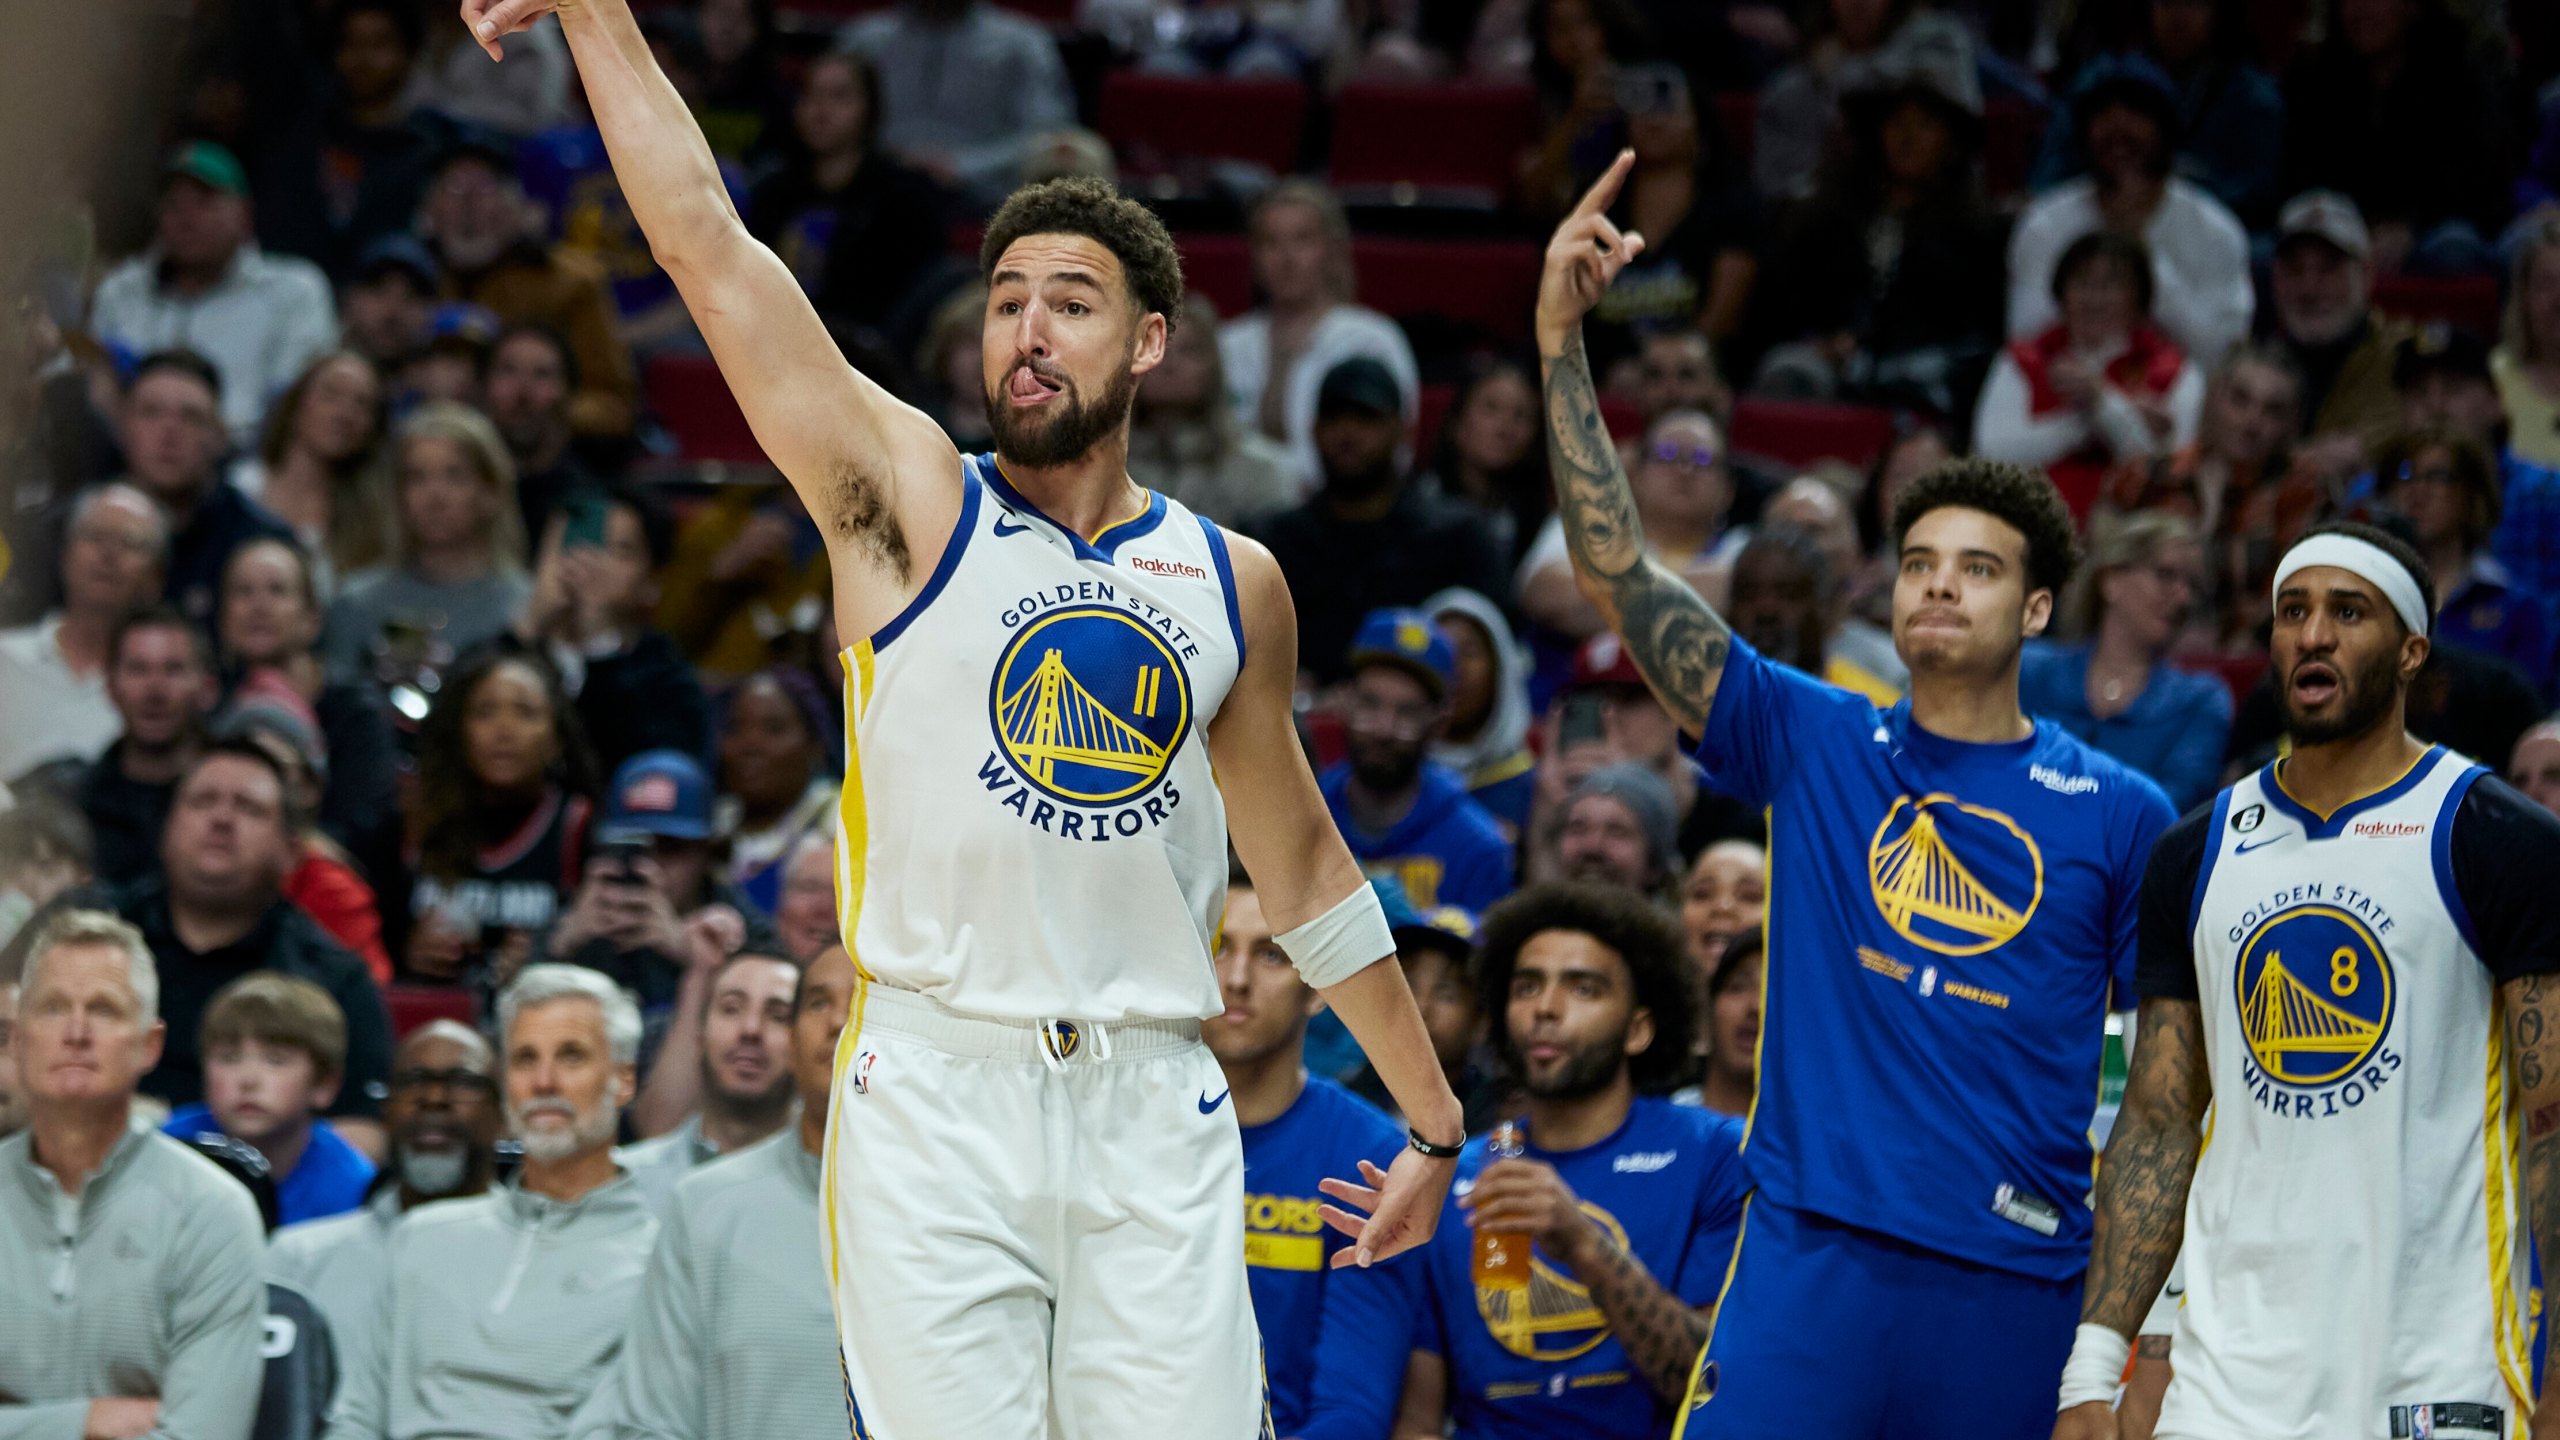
(1034, 1183)
(1951, 901)
(2350, 956)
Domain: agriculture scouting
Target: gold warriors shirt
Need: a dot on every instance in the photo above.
(1946, 923)
(1029, 827)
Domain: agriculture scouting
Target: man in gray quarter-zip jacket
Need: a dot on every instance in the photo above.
(442, 1121)
(735, 1338)
(130, 1300)
(501, 1315)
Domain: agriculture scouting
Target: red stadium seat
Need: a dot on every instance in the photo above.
(1461, 140)
(414, 1005)
(2465, 302)
(1156, 121)
(1800, 433)
(1489, 284)
(689, 397)
(1220, 267)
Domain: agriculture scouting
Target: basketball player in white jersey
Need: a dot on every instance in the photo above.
(2347, 979)
(1034, 1183)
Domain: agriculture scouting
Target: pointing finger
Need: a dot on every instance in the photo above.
(1604, 191)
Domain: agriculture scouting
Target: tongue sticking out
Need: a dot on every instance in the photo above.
(1028, 387)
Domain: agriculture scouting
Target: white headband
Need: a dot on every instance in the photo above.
(2366, 561)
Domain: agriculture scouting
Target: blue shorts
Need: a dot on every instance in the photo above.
(1825, 1329)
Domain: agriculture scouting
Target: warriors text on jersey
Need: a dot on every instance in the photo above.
(1029, 825)
(2356, 1255)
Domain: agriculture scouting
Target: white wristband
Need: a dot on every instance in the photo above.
(2095, 1371)
(1341, 942)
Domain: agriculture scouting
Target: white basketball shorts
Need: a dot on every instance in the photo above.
(1036, 1232)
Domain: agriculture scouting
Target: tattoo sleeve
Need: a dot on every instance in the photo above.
(2532, 1006)
(2150, 1161)
(1661, 1333)
(1677, 641)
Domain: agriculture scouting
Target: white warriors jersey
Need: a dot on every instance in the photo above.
(2356, 1261)
(1029, 828)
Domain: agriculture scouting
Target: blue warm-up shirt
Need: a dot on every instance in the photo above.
(1946, 924)
(1446, 850)
(1541, 1364)
(331, 1178)
(1287, 1245)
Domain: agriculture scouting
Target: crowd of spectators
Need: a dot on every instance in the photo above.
(421, 762)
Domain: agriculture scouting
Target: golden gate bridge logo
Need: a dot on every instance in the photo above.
(2315, 994)
(1053, 718)
(1554, 1318)
(1929, 893)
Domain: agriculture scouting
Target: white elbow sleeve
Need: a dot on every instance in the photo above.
(1342, 941)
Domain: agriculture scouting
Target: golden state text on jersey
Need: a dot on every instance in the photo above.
(2313, 985)
(1089, 701)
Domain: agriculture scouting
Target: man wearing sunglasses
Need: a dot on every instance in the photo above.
(442, 1118)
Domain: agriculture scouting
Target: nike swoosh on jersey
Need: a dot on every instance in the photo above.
(2248, 845)
(1004, 529)
(1209, 1106)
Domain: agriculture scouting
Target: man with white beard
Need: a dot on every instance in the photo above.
(442, 1119)
(499, 1314)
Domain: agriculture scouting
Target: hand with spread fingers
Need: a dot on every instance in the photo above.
(1401, 1205)
(1585, 255)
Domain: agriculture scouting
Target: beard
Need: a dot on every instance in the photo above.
(1597, 869)
(2364, 701)
(1587, 1070)
(1384, 768)
(754, 1106)
(588, 1129)
(434, 1172)
(1066, 436)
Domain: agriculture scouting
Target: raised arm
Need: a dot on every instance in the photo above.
(2142, 1183)
(2532, 1006)
(1677, 641)
(854, 452)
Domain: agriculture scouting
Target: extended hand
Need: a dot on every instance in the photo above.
(2092, 1421)
(1587, 253)
(492, 19)
(1402, 1205)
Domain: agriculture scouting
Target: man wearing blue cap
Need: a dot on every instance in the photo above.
(388, 302)
(1403, 815)
(204, 284)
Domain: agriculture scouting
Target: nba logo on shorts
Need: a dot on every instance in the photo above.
(862, 1071)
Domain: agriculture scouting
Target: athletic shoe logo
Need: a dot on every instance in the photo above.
(1004, 529)
(1209, 1106)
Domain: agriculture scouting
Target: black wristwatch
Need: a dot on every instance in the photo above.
(1436, 1152)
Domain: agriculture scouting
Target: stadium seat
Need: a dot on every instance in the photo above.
(1799, 433)
(2465, 302)
(1220, 267)
(414, 1005)
(1154, 122)
(1454, 143)
(1491, 285)
(689, 397)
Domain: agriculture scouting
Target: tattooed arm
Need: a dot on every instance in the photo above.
(1677, 641)
(2150, 1160)
(2532, 1006)
(1662, 1333)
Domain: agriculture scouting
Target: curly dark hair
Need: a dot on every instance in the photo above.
(2390, 541)
(2018, 496)
(1642, 935)
(452, 808)
(1081, 205)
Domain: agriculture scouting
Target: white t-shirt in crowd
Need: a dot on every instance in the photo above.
(48, 711)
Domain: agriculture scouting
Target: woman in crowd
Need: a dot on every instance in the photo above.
(1699, 219)
(1184, 440)
(1576, 47)
(1730, 1031)
(1486, 738)
(2448, 487)
(1886, 285)
(1277, 356)
(1854, 45)
(326, 882)
(315, 466)
(857, 227)
(775, 788)
(2113, 686)
(1492, 451)
(456, 575)
(1722, 899)
(2526, 363)
(2099, 388)
(267, 621)
(499, 823)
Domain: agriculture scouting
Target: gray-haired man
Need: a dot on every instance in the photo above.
(130, 1301)
(500, 1314)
